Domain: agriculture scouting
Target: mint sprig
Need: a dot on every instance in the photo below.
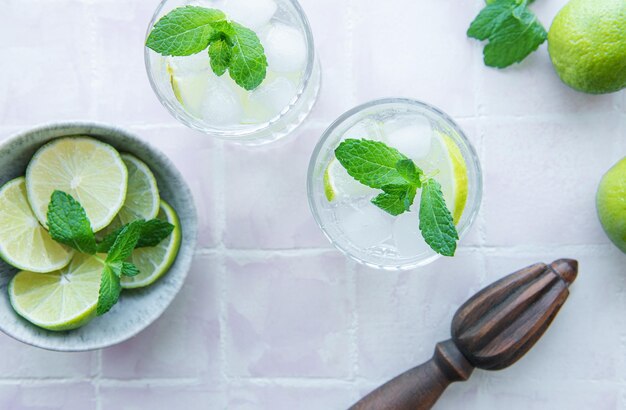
(68, 224)
(190, 30)
(436, 222)
(512, 30)
(152, 233)
(379, 166)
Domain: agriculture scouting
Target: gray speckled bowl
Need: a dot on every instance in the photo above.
(136, 309)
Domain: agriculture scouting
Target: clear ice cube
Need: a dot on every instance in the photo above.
(271, 98)
(407, 235)
(253, 14)
(412, 137)
(365, 225)
(285, 48)
(365, 129)
(192, 64)
(222, 105)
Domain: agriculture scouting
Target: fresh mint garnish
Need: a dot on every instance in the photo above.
(189, 30)
(152, 233)
(129, 269)
(372, 163)
(220, 54)
(68, 223)
(184, 31)
(110, 289)
(512, 29)
(248, 64)
(125, 242)
(436, 221)
(379, 166)
(396, 199)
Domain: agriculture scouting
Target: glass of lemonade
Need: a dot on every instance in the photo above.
(342, 206)
(198, 98)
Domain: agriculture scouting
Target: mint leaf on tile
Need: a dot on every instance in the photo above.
(512, 30)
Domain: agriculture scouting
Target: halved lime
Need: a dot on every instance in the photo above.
(91, 171)
(337, 182)
(61, 300)
(154, 262)
(24, 243)
(142, 196)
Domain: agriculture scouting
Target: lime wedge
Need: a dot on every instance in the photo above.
(91, 171)
(189, 89)
(24, 243)
(338, 183)
(142, 196)
(459, 172)
(154, 262)
(61, 300)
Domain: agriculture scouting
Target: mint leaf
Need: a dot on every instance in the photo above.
(410, 172)
(110, 289)
(220, 54)
(152, 233)
(490, 18)
(125, 242)
(436, 221)
(372, 163)
(512, 30)
(68, 223)
(396, 199)
(248, 65)
(130, 270)
(184, 31)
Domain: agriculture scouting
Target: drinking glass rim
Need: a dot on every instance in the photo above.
(241, 134)
(474, 206)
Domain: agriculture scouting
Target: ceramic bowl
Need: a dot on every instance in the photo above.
(136, 309)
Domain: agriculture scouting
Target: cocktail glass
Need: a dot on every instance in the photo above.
(341, 205)
(198, 98)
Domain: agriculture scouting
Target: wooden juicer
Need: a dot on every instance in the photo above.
(491, 331)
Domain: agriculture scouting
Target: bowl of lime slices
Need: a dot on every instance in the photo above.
(98, 233)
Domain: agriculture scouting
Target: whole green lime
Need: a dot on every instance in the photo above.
(611, 203)
(587, 45)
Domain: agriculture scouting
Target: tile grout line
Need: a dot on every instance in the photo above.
(219, 230)
(487, 249)
(97, 380)
(353, 330)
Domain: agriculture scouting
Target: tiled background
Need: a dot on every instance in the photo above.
(271, 316)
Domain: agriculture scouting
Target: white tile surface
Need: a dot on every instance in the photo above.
(272, 317)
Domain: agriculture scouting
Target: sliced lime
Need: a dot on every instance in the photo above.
(142, 196)
(338, 183)
(154, 262)
(24, 243)
(459, 170)
(91, 171)
(61, 300)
